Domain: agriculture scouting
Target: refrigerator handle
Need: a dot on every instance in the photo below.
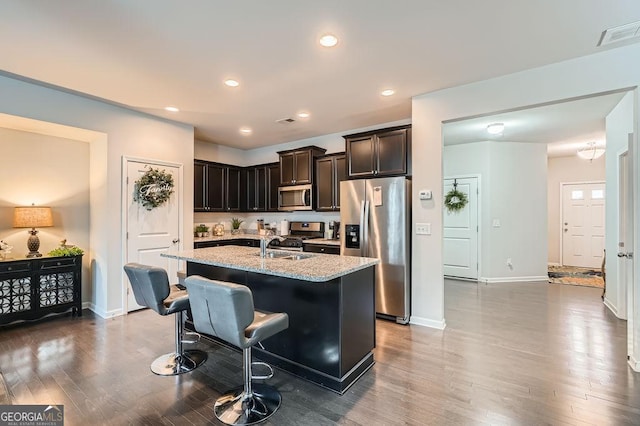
(365, 242)
(362, 246)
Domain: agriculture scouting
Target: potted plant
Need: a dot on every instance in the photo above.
(201, 230)
(235, 225)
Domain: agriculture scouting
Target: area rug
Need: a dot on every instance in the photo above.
(572, 275)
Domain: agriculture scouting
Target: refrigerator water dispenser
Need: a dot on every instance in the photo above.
(352, 237)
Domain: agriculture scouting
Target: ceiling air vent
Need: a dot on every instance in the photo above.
(623, 32)
(288, 120)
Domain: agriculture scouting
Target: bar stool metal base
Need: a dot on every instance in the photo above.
(172, 364)
(234, 408)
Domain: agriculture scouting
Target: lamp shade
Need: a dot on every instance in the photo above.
(32, 217)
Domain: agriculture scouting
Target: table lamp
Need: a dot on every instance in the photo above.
(32, 217)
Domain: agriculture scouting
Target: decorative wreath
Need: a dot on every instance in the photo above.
(154, 188)
(455, 200)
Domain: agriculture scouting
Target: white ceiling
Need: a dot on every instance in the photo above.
(147, 54)
(564, 127)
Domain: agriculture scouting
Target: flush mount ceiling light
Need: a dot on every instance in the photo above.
(231, 82)
(328, 40)
(495, 128)
(171, 109)
(387, 92)
(591, 151)
(303, 114)
(245, 131)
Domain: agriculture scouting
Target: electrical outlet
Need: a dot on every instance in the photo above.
(509, 262)
(423, 228)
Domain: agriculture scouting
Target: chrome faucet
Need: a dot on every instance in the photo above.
(265, 240)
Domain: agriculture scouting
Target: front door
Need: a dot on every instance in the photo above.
(151, 232)
(460, 253)
(583, 221)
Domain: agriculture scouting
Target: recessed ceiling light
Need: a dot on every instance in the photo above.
(495, 128)
(231, 83)
(304, 114)
(387, 92)
(171, 109)
(245, 131)
(328, 40)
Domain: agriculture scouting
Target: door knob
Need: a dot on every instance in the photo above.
(565, 229)
(627, 255)
(175, 240)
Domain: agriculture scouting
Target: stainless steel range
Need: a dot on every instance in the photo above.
(298, 232)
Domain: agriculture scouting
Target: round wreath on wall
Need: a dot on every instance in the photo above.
(455, 200)
(154, 188)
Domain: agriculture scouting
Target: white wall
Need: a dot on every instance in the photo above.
(566, 170)
(60, 180)
(612, 69)
(619, 123)
(513, 191)
(124, 133)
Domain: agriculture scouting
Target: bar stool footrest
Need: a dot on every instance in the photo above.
(261, 376)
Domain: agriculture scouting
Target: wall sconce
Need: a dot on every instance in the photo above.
(32, 217)
(590, 152)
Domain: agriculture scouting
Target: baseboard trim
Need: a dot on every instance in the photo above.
(104, 314)
(490, 280)
(635, 365)
(426, 322)
(612, 308)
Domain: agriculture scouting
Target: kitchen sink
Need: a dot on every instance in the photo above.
(285, 255)
(298, 256)
(275, 254)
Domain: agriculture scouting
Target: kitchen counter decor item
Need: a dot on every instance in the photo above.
(154, 188)
(202, 230)
(455, 200)
(218, 230)
(66, 250)
(235, 224)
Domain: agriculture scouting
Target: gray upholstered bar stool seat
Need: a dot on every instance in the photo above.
(225, 310)
(151, 289)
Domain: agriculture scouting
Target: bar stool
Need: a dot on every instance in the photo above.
(151, 289)
(225, 310)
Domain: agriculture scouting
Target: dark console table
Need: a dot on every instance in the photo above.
(35, 287)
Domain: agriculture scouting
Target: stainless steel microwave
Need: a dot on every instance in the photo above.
(298, 197)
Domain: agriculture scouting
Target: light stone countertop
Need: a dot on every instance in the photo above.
(317, 267)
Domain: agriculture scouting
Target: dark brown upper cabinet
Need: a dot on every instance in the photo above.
(296, 165)
(262, 188)
(330, 171)
(384, 152)
(217, 187)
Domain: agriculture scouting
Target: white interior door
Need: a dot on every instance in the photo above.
(151, 232)
(625, 244)
(583, 219)
(460, 232)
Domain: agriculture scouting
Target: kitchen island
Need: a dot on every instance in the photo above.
(329, 300)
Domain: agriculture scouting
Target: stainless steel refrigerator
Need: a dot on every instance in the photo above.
(375, 221)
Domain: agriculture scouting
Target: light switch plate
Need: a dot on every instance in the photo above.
(423, 228)
(425, 194)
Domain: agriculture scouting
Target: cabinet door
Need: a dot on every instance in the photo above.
(392, 153)
(273, 175)
(234, 189)
(324, 184)
(287, 170)
(199, 200)
(261, 188)
(215, 187)
(302, 167)
(251, 189)
(361, 156)
(340, 165)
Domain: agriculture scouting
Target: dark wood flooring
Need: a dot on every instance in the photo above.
(519, 353)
